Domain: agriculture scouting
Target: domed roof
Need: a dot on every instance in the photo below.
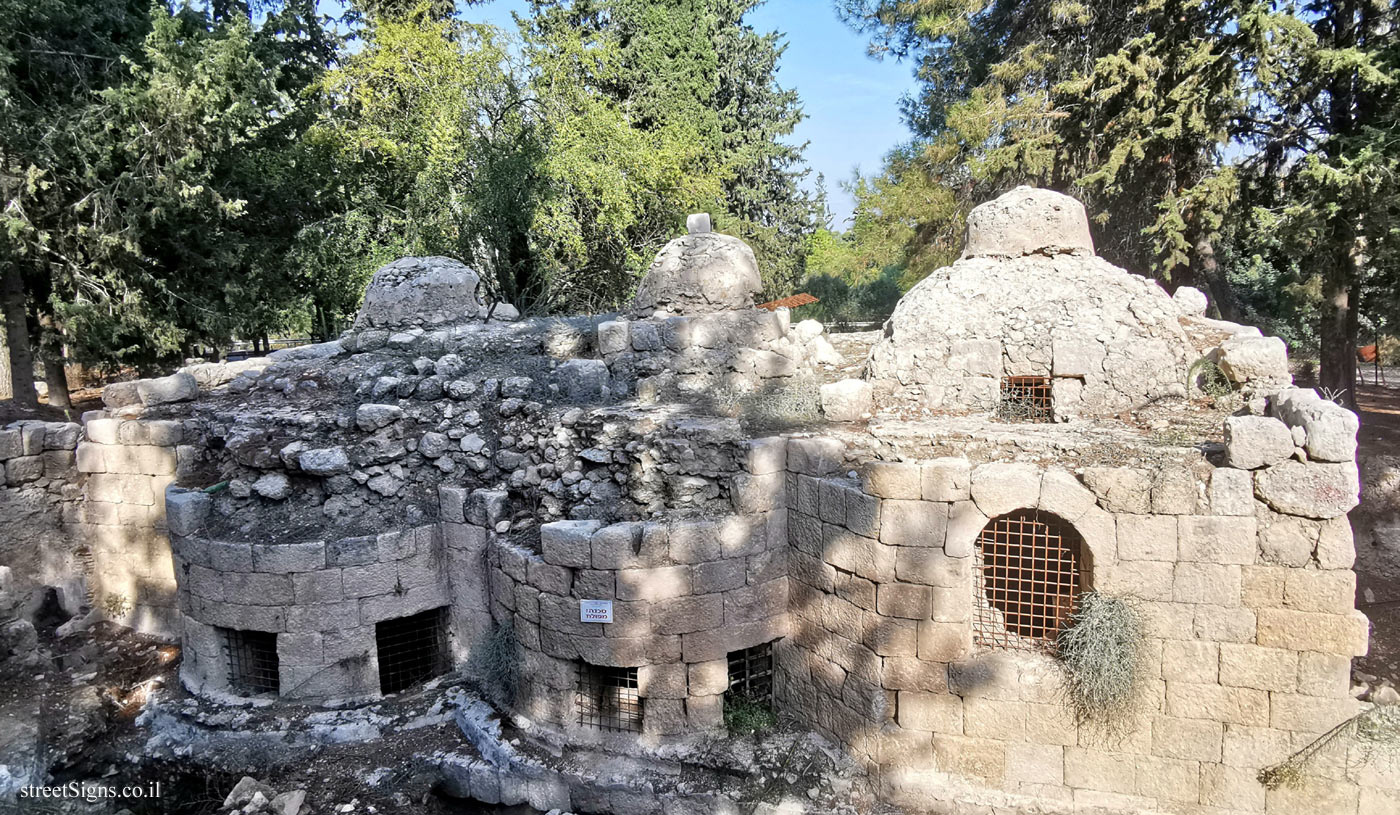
(698, 273)
(420, 291)
(1028, 221)
(1029, 299)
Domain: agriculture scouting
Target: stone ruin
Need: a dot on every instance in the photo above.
(451, 475)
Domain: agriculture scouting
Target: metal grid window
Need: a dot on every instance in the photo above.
(411, 649)
(751, 673)
(1026, 399)
(252, 661)
(1027, 569)
(608, 698)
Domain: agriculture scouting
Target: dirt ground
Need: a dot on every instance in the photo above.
(1378, 565)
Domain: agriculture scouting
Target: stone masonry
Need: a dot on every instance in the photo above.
(504, 470)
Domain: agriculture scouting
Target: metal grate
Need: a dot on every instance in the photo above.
(608, 698)
(411, 649)
(1027, 572)
(1026, 399)
(252, 660)
(751, 673)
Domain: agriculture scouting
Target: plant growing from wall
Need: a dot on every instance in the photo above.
(495, 664)
(1377, 728)
(744, 716)
(1205, 376)
(1101, 650)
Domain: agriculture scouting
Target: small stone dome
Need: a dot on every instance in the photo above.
(699, 273)
(1030, 307)
(420, 291)
(1028, 221)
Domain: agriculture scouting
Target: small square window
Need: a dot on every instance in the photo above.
(751, 673)
(1026, 399)
(608, 698)
(252, 661)
(411, 649)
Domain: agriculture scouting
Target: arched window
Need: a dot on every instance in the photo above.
(1028, 574)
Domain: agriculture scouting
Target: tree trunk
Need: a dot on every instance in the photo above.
(1337, 372)
(7, 389)
(12, 301)
(56, 375)
(1213, 280)
(52, 354)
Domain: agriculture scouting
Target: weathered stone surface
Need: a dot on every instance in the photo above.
(1001, 487)
(326, 461)
(178, 387)
(1312, 490)
(1190, 301)
(274, 486)
(815, 456)
(420, 291)
(849, 400)
(1260, 362)
(373, 417)
(1252, 442)
(1329, 430)
(583, 380)
(699, 273)
(1028, 221)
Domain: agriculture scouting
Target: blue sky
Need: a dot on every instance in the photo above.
(851, 101)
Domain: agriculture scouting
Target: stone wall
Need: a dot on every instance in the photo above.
(707, 354)
(322, 599)
(39, 492)
(1243, 576)
(125, 466)
(685, 594)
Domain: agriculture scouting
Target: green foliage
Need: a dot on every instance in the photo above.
(1205, 376)
(1246, 147)
(1374, 730)
(175, 176)
(1101, 650)
(744, 716)
(495, 664)
(139, 168)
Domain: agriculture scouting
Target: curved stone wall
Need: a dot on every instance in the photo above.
(321, 598)
(1249, 615)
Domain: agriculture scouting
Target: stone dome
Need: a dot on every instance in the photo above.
(699, 273)
(1029, 299)
(420, 291)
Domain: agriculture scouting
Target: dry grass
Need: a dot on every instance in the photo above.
(1101, 651)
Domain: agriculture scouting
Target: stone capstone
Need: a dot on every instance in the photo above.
(420, 291)
(1027, 221)
(699, 273)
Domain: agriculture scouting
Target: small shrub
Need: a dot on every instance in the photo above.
(743, 716)
(1101, 652)
(1376, 729)
(1205, 376)
(116, 606)
(495, 664)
